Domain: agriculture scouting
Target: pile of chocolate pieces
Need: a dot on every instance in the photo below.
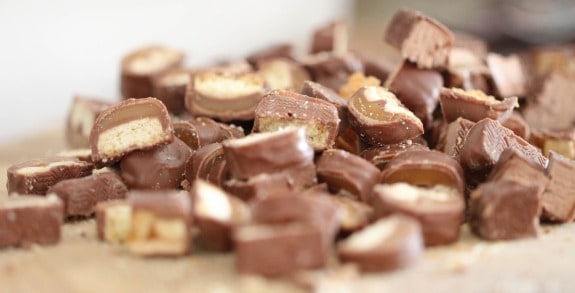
(289, 161)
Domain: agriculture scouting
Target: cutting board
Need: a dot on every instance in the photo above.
(80, 263)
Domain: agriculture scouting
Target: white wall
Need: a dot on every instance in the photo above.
(50, 50)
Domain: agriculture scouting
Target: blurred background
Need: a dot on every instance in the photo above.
(51, 50)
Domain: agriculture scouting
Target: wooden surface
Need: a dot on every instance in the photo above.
(82, 264)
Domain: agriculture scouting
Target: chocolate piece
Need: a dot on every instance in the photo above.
(113, 221)
(518, 125)
(78, 154)
(267, 152)
(81, 117)
(474, 105)
(504, 210)
(332, 70)
(37, 176)
(381, 155)
(348, 140)
(417, 89)
(472, 43)
(231, 67)
(282, 74)
(389, 244)
(201, 164)
(424, 168)
(515, 167)
(439, 210)
(133, 124)
(507, 74)
(332, 37)
(259, 186)
(278, 249)
(81, 195)
(314, 209)
(316, 90)
(468, 71)
(162, 167)
(419, 38)
(216, 214)
(378, 66)
(272, 52)
(30, 219)
(353, 215)
(380, 118)
(140, 67)
(280, 109)
(202, 131)
(454, 136)
(355, 82)
(160, 223)
(224, 96)
(345, 171)
(485, 142)
(170, 88)
(558, 198)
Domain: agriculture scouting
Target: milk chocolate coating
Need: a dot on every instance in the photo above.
(515, 167)
(279, 109)
(417, 89)
(332, 70)
(381, 155)
(81, 117)
(267, 153)
(424, 168)
(167, 204)
(37, 176)
(518, 125)
(345, 171)
(278, 249)
(259, 186)
(148, 113)
(419, 38)
(398, 248)
(382, 121)
(331, 37)
(473, 43)
(455, 104)
(318, 91)
(379, 67)
(160, 168)
(170, 88)
(504, 210)
(30, 219)
(80, 196)
(273, 52)
(507, 74)
(201, 164)
(440, 219)
(453, 137)
(202, 131)
(558, 200)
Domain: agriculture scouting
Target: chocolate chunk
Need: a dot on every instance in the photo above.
(224, 96)
(162, 167)
(216, 214)
(381, 155)
(424, 168)
(355, 82)
(316, 90)
(282, 74)
(268, 152)
(518, 125)
(345, 171)
(30, 219)
(507, 74)
(37, 176)
(80, 196)
(439, 210)
(472, 43)
(468, 71)
(279, 109)
(272, 52)
(378, 66)
(419, 38)
(558, 198)
(389, 244)
(380, 118)
(332, 37)
(474, 105)
(259, 186)
(81, 117)
(515, 167)
(202, 131)
(348, 140)
(201, 164)
(140, 67)
(353, 215)
(454, 136)
(113, 221)
(332, 70)
(278, 249)
(161, 223)
(485, 142)
(505, 210)
(133, 124)
(170, 88)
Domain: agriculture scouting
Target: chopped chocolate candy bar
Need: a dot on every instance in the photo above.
(507, 74)
(453, 137)
(162, 167)
(353, 215)
(439, 210)
(30, 219)
(114, 221)
(419, 38)
(280, 109)
(81, 117)
(140, 67)
(332, 37)
(272, 52)
(316, 90)
(515, 167)
(355, 82)
(467, 70)
(283, 74)
(518, 125)
(202, 131)
(170, 88)
(381, 155)
(259, 186)
(37, 176)
(133, 124)
(474, 105)
(224, 96)
(380, 118)
(389, 244)
(203, 162)
(504, 210)
(332, 70)
(558, 197)
(80, 196)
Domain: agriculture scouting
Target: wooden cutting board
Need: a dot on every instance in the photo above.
(80, 263)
